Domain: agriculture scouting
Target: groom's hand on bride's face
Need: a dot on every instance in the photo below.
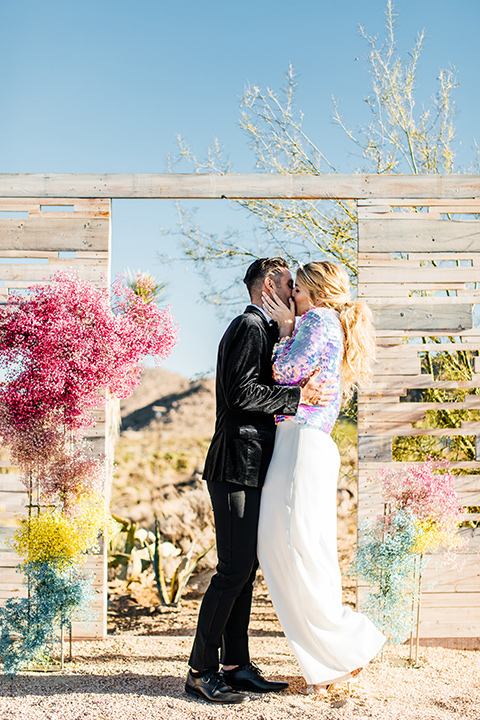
(316, 393)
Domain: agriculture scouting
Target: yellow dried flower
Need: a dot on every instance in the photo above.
(62, 539)
(433, 536)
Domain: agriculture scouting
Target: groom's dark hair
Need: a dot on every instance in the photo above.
(260, 269)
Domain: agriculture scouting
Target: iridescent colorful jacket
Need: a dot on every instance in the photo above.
(316, 343)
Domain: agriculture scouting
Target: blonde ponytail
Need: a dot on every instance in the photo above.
(328, 286)
(359, 351)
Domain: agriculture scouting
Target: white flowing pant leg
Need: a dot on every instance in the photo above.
(297, 549)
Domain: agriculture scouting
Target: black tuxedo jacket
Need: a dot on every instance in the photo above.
(247, 399)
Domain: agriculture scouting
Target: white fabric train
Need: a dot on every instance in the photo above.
(297, 550)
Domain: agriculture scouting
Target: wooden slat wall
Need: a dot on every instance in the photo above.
(231, 185)
(38, 237)
(419, 271)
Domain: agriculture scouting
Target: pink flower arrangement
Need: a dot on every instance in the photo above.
(71, 473)
(70, 345)
(63, 349)
(429, 497)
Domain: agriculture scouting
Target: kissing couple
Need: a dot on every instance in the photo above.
(271, 472)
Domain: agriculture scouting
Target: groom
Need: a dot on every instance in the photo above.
(247, 400)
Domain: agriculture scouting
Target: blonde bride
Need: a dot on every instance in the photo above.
(297, 540)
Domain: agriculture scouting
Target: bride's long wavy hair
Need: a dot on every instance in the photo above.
(328, 285)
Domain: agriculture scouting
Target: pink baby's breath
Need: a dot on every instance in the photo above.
(70, 345)
(62, 350)
(428, 494)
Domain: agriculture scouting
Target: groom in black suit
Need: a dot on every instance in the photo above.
(247, 400)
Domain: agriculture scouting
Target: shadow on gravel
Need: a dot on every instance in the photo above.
(28, 685)
(119, 684)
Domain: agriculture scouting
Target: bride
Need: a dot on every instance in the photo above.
(297, 542)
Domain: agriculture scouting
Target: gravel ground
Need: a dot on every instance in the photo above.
(138, 673)
(141, 678)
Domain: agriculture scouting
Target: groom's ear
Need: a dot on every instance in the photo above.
(269, 284)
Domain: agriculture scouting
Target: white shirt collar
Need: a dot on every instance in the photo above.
(268, 318)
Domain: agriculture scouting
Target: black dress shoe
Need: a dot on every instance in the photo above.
(211, 687)
(249, 677)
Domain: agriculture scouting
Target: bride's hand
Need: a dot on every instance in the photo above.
(283, 314)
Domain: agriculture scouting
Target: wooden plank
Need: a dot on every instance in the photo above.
(391, 258)
(467, 483)
(429, 317)
(21, 591)
(49, 233)
(8, 589)
(9, 576)
(403, 290)
(10, 559)
(381, 401)
(82, 631)
(80, 254)
(410, 235)
(404, 381)
(45, 254)
(98, 281)
(26, 204)
(444, 622)
(10, 510)
(454, 629)
(443, 603)
(394, 429)
(456, 465)
(375, 448)
(11, 483)
(421, 275)
(392, 349)
(266, 185)
(100, 205)
(407, 365)
(397, 383)
(385, 290)
(440, 578)
(428, 202)
(413, 340)
(420, 300)
(469, 601)
(398, 411)
(441, 301)
(466, 579)
(33, 273)
(370, 495)
(463, 214)
(98, 431)
(8, 525)
(472, 333)
(375, 510)
(369, 482)
(393, 412)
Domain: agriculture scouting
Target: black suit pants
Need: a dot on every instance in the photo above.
(225, 610)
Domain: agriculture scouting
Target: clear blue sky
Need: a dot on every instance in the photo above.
(105, 86)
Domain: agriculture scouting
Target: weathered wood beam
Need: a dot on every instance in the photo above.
(231, 186)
